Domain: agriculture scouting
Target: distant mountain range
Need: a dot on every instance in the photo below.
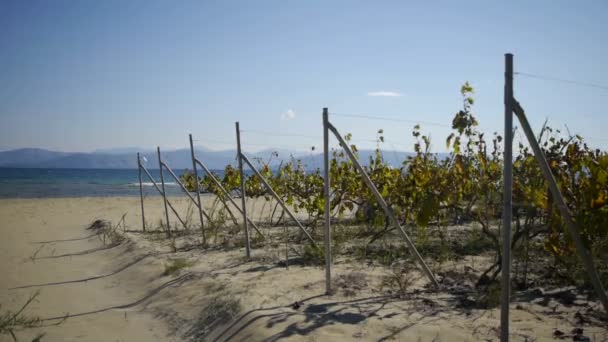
(177, 159)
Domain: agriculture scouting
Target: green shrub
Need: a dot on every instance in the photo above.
(176, 265)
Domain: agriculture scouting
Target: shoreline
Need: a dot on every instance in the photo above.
(41, 191)
(173, 195)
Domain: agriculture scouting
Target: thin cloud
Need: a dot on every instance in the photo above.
(384, 93)
(288, 115)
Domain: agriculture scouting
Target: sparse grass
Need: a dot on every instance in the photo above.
(381, 252)
(33, 257)
(475, 244)
(188, 220)
(155, 235)
(312, 255)
(488, 297)
(400, 278)
(175, 266)
(170, 235)
(98, 225)
(351, 283)
(109, 233)
(219, 216)
(451, 244)
(257, 240)
(10, 321)
(221, 310)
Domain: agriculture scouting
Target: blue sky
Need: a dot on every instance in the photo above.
(86, 75)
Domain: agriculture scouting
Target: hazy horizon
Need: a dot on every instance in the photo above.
(89, 75)
(132, 149)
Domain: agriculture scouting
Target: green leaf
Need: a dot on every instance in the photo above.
(384, 192)
(448, 141)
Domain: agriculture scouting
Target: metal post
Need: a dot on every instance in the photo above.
(387, 211)
(198, 190)
(243, 194)
(563, 208)
(507, 201)
(327, 204)
(162, 182)
(141, 194)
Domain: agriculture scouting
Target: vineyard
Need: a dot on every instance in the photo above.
(303, 171)
(376, 240)
(451, 207)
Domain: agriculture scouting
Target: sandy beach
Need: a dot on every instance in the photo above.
(125, 292)
(317, 171)
(44, 242)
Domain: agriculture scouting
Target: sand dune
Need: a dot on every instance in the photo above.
(120, 293)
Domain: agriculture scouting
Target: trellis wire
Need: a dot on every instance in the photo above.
(143, 168)
(268, 133)
(561, 80)
(384, 118)
(241, 157)
(511, 107)
(228, 196)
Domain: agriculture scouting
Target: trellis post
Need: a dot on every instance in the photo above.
(326, 195)
(507, 201)
(243, 194)
(162, 182)
(198, 190)
(141, 194)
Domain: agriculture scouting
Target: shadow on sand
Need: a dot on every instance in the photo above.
(174, 282)
(85, 252)
(137, 260)
(315, 316)
(66, 240)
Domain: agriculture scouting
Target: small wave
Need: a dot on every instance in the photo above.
(152, 184)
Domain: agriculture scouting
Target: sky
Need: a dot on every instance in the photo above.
(88, 75)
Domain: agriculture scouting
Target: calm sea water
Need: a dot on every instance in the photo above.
(42, 183)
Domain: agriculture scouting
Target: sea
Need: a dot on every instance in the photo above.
(51, 183)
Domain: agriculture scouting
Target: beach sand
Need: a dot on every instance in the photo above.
(120, 293)
(32, 253)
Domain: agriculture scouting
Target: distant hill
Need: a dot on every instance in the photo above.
(27, 156)
(123, 150)
(177, 159)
